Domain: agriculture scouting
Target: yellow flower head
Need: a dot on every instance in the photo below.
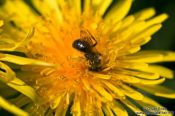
(80, 57)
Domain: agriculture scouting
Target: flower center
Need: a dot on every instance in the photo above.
(54, 45)
(77, 54)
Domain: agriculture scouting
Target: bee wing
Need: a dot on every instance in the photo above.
(87, 36)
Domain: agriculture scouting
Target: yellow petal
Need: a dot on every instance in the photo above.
(74, 6)
(114, 89)
(152, 82)
(102, 92)
(118, 109)
(119, 11)
(145, 33)
(126, 78)
(24, 41)
(135, 80)
(133, 49)
(160, 70)
(96, 2)
(93, 106)
(61, 109)
(56, 101)
(22, 60)
(1, 23)
(156, 20)
(131, 65)
(168, 56)
(127, 21)
(151, 56)
(151, 22)
(140, 74)
(133, 107)
(12, 10)
(6, 75)
(77, 6)
(12, 108)
(101, 76)
(11, 46)
(89, 89)
(76, 108)
(114, 27)
(103, 6)
(107, 110)
(86, 6)
(142, 41)
(137, 26)
(150, 105)
(126, 33)
(156, 70)
(148, 58)
(23, 88)
(48, 7)
(131, 92)
(145, 14)
(158, 90)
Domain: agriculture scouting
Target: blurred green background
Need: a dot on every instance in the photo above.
(162, 40)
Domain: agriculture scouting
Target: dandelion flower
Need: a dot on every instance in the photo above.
(53, 77)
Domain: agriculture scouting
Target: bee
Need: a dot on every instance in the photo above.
(86, 44)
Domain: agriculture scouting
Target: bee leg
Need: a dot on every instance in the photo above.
(95, 42)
